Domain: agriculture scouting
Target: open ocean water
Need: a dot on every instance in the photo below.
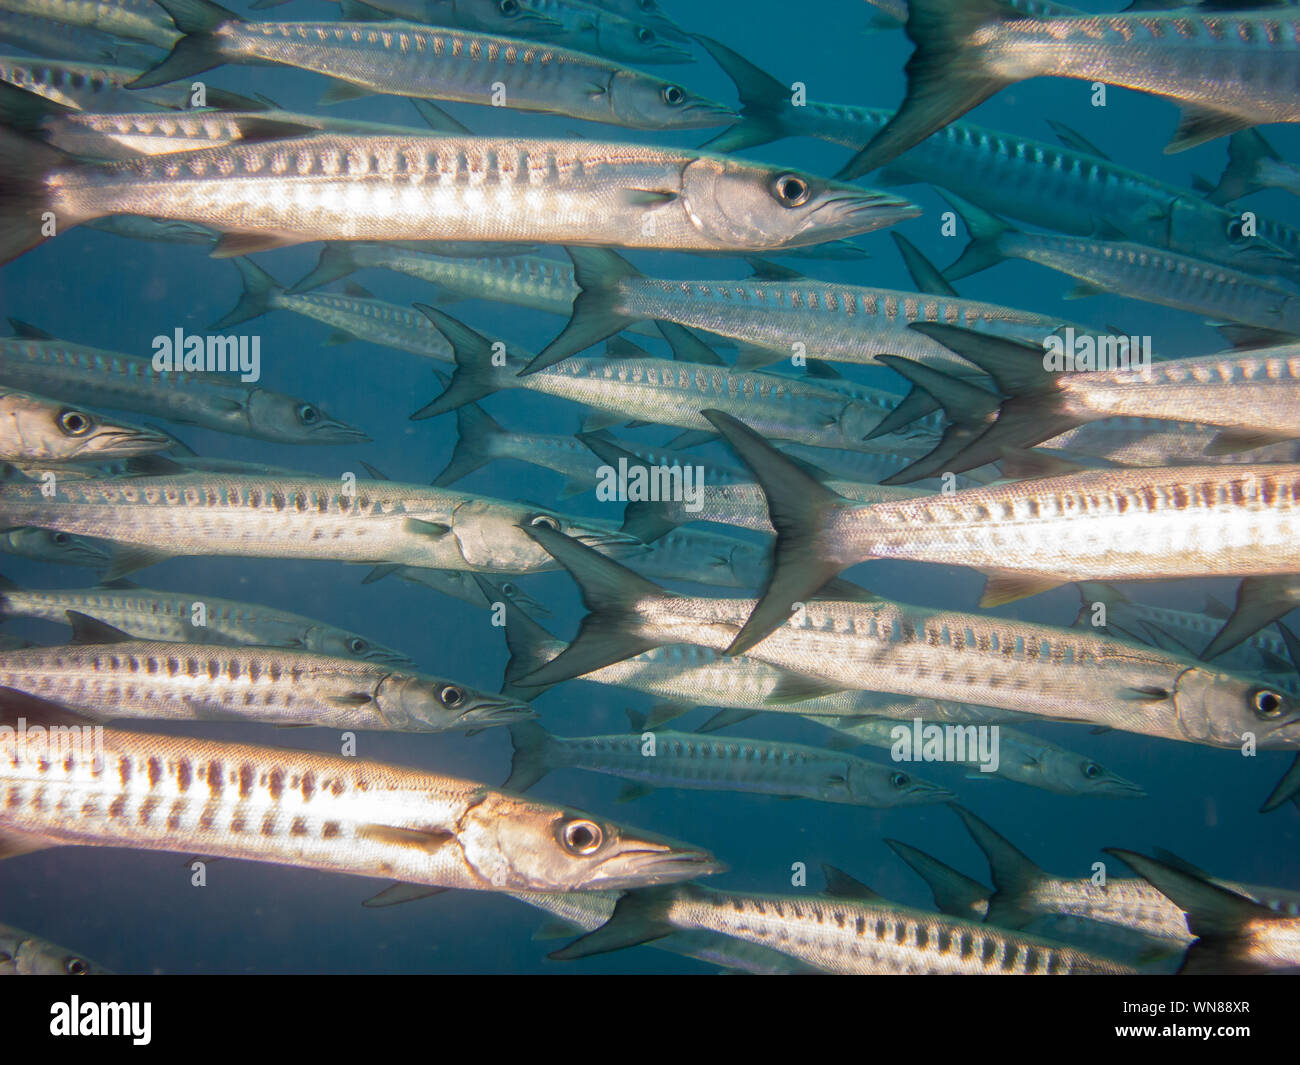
(137, 912)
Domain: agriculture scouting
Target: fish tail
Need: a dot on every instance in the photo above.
(800, 509)
(529, 645)
(474, 428)
(259, 290)
(597, 272)
(954, 892)
(946, 76)
(473, 378)
(26, 111)
(528, 764)
(1287, 788)
(1014, 875)
(1246, 150)
(647, 520)
(1091, 593)
(337, 260)
(640, 916)
(26, 212)
(198, 50)
(611, 593)
(1215, 915)
(762, 99)
(986, 231)
(1259, 603)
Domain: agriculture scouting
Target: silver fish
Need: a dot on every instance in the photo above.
(171, 616)
(1228, 70)
(1253, 165)
(102, 87)
(312, 811)
(23, 954)
(407, 59)
(78, 373)
(138, 20)
(715, 763)
(35, 429)
(107, 674)
(883, 646)
(51, 545)
(405, 188)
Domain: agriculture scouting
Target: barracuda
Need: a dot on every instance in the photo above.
(338, 187)
(139, 20)
(1235, 934)
(1024, 892)
(1252, 399)
(99, 87)
(312, 811)
(36, 429)
(407, 59)
(1111, 524)
(845, 323)
(23, 954)
(1063, 188)
(44, 36)
(108, 674)
(45, 545)
(643, 388)
(1253, 165)
(866, 935)
(153, 518)
(1133, 270)
(1152, 442)
(1021, 758)
(353, 315)
(882, 646)
(78, 373)
(587, 910)
(717, 763)
(1228, 70)
(531, 281)
(170, 616)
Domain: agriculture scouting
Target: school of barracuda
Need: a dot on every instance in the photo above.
(743, 443)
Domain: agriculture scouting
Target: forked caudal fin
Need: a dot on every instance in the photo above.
(1014, 875)
(474, 377)
(954, 893)
(610, 592)
(195, 52)
(1260, 601)
(800, 509)
(946, 76)
(259, 289)
(1216, 916)
(762, 101)
(595, 316)
(26, 209)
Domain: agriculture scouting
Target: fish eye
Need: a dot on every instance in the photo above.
(76, 967)
(1091, 770)
(59, 538)
(509, 7)
(356, 645)
(1267, 703)
(791, 191)
(74, 423)
(451, 695)
(645, 35)
(508, 588)
(672, 95)
(545, 521)
(581, 837)
(900, 780)
(307, 414)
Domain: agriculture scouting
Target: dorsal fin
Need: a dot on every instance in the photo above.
(86, 629)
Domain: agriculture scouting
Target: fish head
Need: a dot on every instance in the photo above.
(326, 640)
(490, 535)
(418, 703)
(513, 18)
(54, 545)
(639, 101)
(516, 842)
(59, 432)
(1079, 775)
(866, 784)
(29, 955)
(1223, 708)
(288, 420)
(746, 206)
(641, 40)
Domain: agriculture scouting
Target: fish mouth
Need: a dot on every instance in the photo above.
(649, 864)
(928, 793)
(390, 658)
(339, 433)
(126, 442)
(869, 208)
(707, 113)
(666, 52)
(1119, 788)
(499, 712)
(608, 538)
